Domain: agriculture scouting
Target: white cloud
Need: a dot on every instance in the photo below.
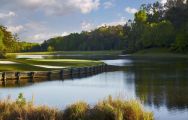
(163, 1)
(40, 37)
(35, 26)
(122, 21)
(87, 26)
(6, 15)
(64, 34)
(15, 29)
(108, 4)
(85, 6)
(131, 10)
(57, 7)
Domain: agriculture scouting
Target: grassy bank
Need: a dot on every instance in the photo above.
(110, 109)
(159, 52)
(33, 64)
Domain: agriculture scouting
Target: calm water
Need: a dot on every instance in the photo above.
(162, 83)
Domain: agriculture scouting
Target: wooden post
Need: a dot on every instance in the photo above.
(49, 74)
(86, 71)
(32, 75)
(17, 77)
(4, 78)
(71, 72)
(79, 72)
(61, 74)
(100, 69)
(105, 68)
(94, 69)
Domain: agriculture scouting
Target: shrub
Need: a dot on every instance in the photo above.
(2, 54)
(76, 111)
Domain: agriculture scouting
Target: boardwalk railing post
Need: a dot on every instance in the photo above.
(105, 68)
(62, 74)
(17, 76)
(49, 74)
(4, 78)
(86, 71)
(71, 72)
(32, 75)
(79, 72)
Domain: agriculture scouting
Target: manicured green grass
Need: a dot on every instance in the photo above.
(110, 109)
(63, 62)
(70, 53)
(28, 64)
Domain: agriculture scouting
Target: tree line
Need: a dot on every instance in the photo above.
(154, 26)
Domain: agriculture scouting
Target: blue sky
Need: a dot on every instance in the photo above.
(38, 20)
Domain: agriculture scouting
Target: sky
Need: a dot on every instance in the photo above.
(39, 20)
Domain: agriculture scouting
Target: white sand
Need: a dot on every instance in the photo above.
(30, 56)
(48, 66)
(7, 62)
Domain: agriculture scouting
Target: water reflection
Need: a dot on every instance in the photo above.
(61, 93)
(162, 83)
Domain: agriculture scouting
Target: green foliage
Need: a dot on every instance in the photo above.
(21, 100)
(140, 16)
(158, 35)
(50, 49)
(156, 27)
(11, 43)
(2, 51)
(2, 54)
(103, 38)
(8, 41)
(1, 40)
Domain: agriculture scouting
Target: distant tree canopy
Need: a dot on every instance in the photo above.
(154, 26)
(103, 38)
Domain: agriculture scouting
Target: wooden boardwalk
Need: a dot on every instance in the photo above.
(65, 73)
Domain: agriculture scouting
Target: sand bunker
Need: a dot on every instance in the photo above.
(48, 66)
(7, 62)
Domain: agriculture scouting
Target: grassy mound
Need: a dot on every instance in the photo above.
(110, 109)
(31, 64)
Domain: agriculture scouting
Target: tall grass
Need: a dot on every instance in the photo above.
(109, 109)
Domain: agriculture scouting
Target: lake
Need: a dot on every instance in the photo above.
(161, 83)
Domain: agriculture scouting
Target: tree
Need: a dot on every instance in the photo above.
(2, 52)
(155, 12)
(140, 16)
(50, 49)
(158, 35)
(177, 12)
(181, 42)
(1, 40)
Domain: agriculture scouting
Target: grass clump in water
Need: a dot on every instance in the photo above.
(118, 109)
(110, 109)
